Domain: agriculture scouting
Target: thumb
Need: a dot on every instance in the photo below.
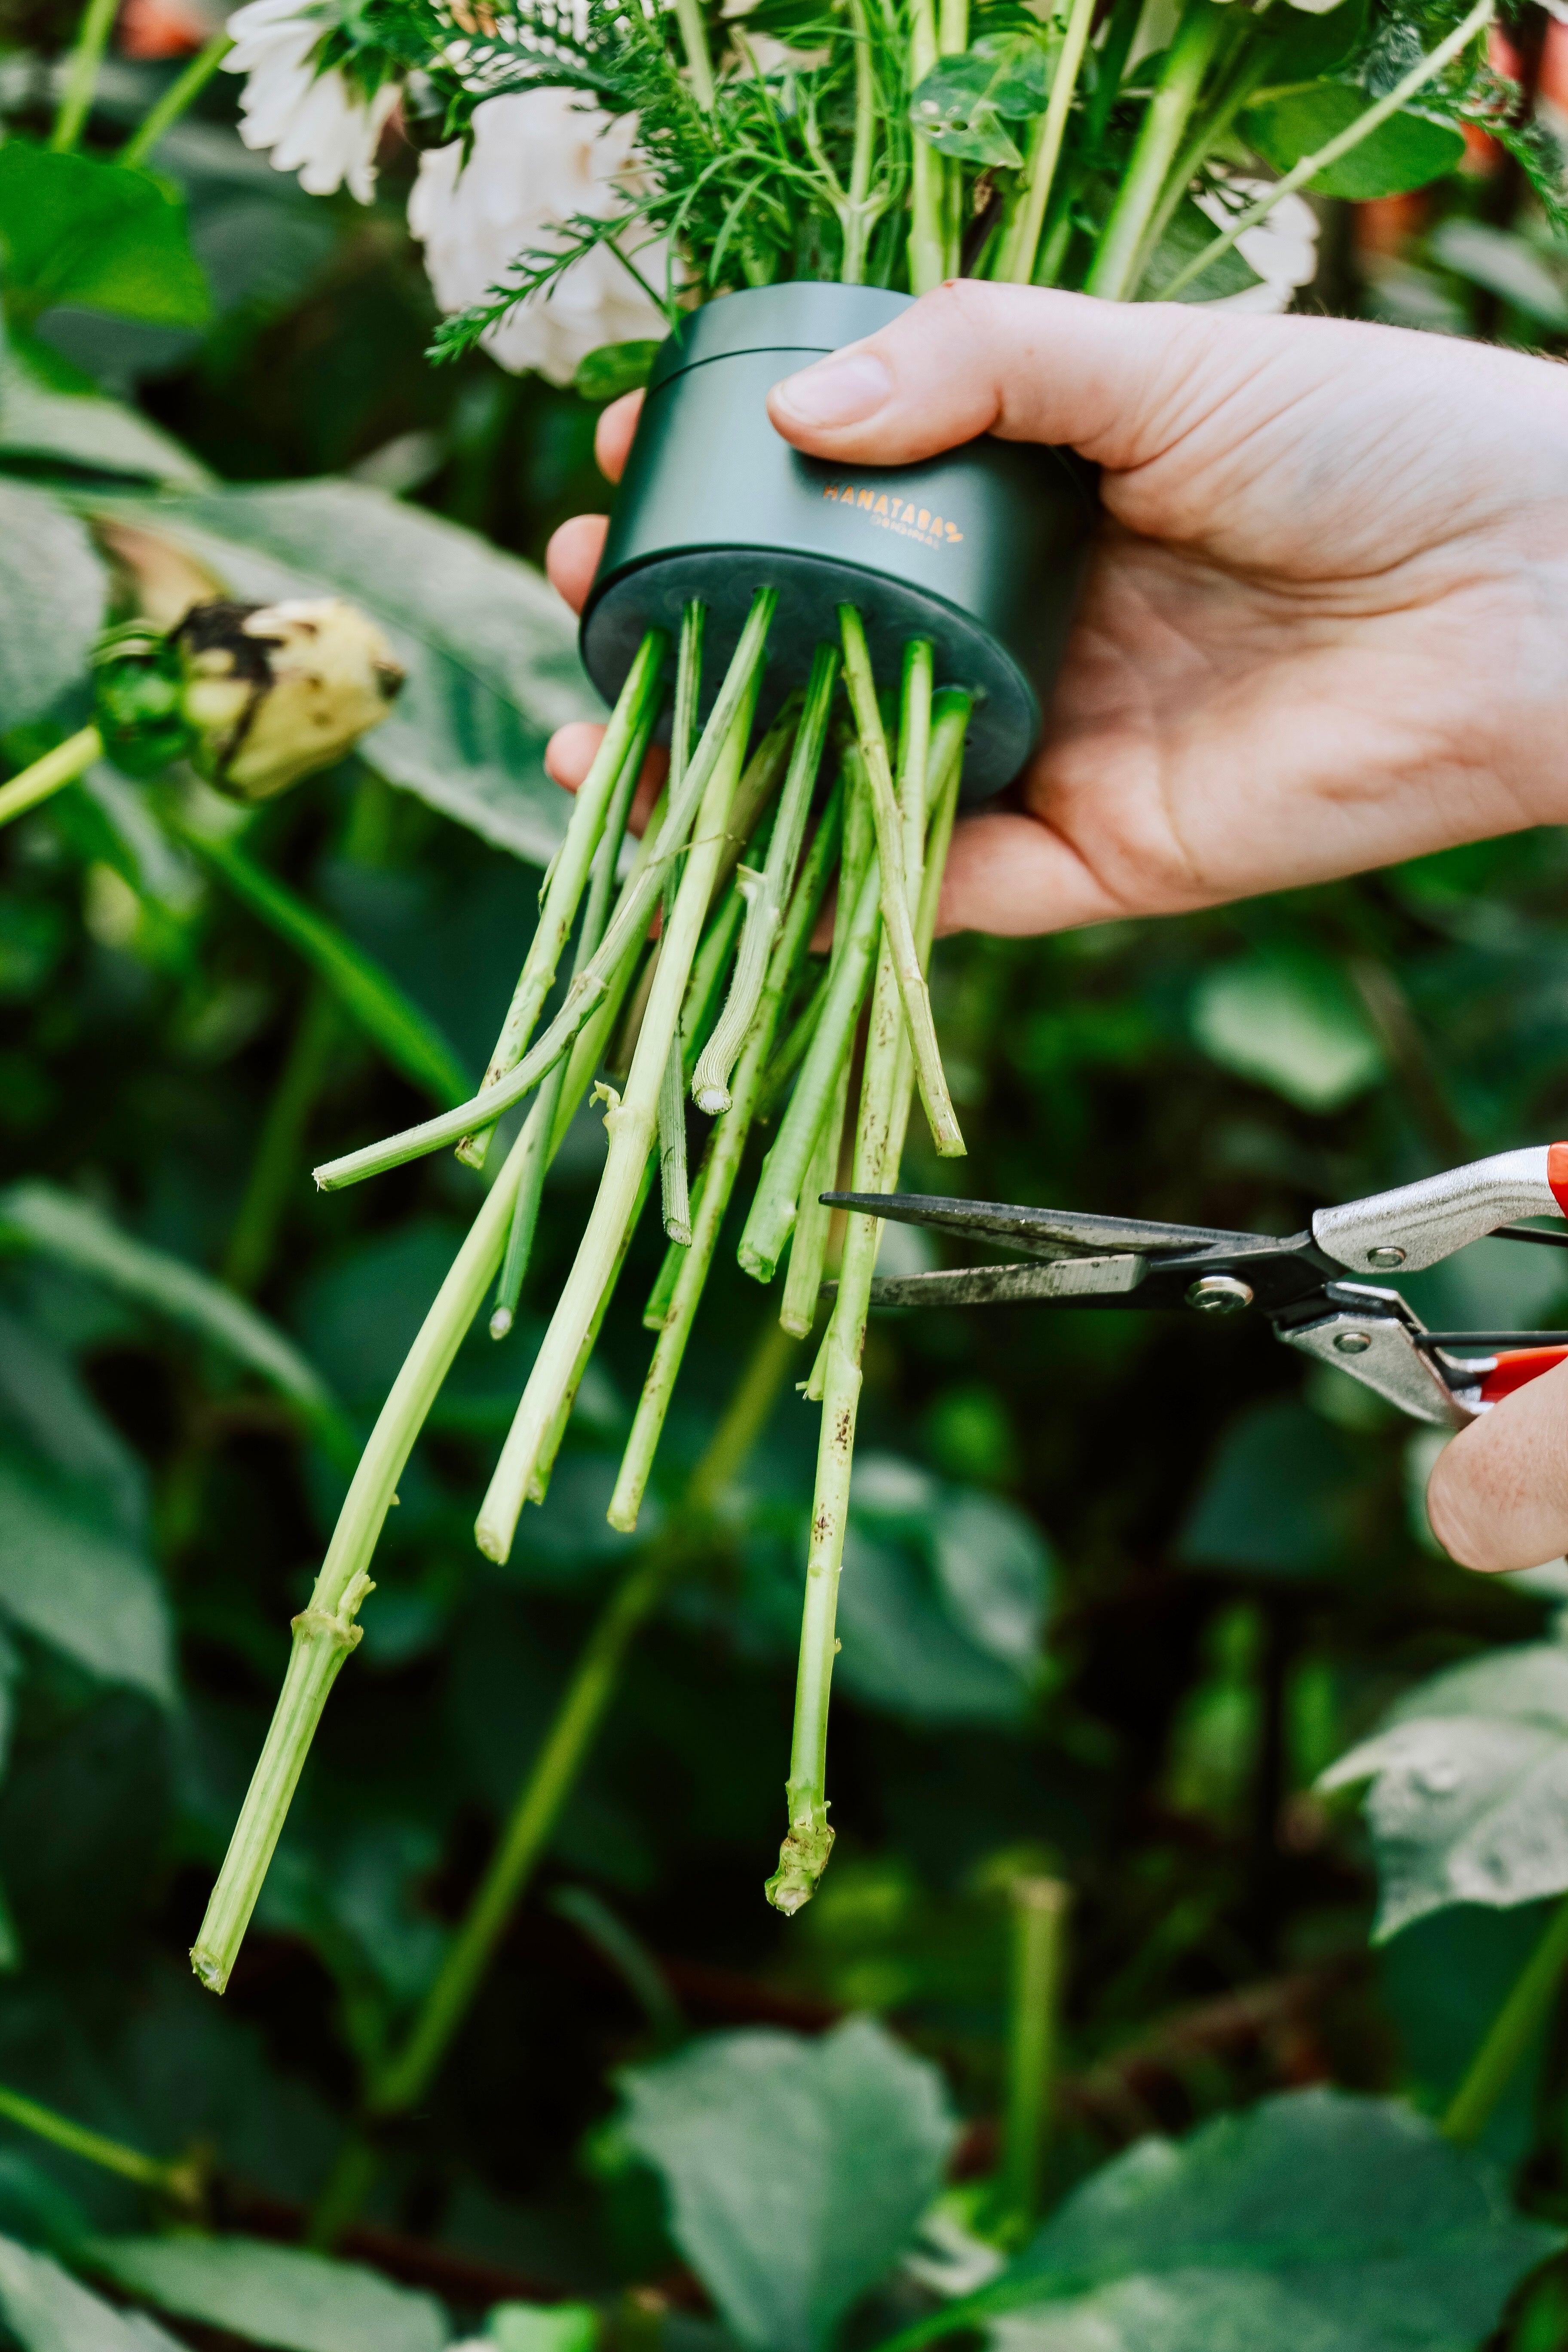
(1498, 1496)
(1113, 380)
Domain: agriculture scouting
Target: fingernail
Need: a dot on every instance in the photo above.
(840, 390)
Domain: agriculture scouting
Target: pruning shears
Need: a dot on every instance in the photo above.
(1301, 1283)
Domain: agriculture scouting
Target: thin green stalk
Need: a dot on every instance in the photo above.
(636, 707)
(1307, 170)
(182, 93)
(694, 41)
(720, 1171)
(550, 1443)
(1510, 2033)
(1040, 1908)
(896, 906)
(814, 1218)
(765, 902)
(164, 2177)
(370, 996)
(859, 213)
(886, 1091)
(632, 1120)
(1203, 136)
(632, 917)
(1014, 263)
(674, 1191)
(1110, 64)
(275, 1166)
(656, 1310)
(50, 774)
(928, 169)
(81, 73)
(788, 1057)
(1112, 275)
(325, 1631)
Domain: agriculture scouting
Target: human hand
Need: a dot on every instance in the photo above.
(1498, 1496)
(1324, 625)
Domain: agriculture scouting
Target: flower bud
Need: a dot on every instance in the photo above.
(255, 696)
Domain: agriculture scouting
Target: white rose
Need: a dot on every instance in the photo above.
(314, 123)
(1282, 248)
(538, 156)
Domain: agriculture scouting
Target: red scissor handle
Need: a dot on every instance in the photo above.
(1512, 1370)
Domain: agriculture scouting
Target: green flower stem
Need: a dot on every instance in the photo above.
(1014, 263)
(625, 935)
(275, 1167)
(896, 907)
(50, 774)
(788, 1057)
(674, 1186)
(632, 1120)
(814, 1219)
(888, 1076)
(859, 212)
(1040, 1908)
(325, 1631)
(1302, 173)
(1203, 136)
(1113, 274)
(765, 903)
(81, 73)
(775, 1207)
(181, 94)
(371, 997)
(180, 2181)
(928, 169)
(1110, 64)
(722, 1167)
(1508, 2036)
(656, 1312)
(631, 721)
(694, 41)
(550, 1445)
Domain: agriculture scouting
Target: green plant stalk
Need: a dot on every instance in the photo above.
(1040, 1908)
(858, 214)
(674, 1190)
(275, 1166)
(888, 1076)
(952, 40)
(675, 1199)
(1014, 262)
(163, 2177)
(636, 707)
(550, 1445)
(181, 94)
(51, 773)
(626, 933)
(632, 1122)
(694, 42)
(1113, 274)
(1300, 174)
(657, 1309)
(1211, 127)
(928, 168)
(371, 997)
(814, 1219)
(81, 73)
(540, 1125)
(1110, 64)
(765, 904)
(896, 907)
(788, 1057)
(914, 747)
(1508, 2036)
(325, 1631)
(720, 1170)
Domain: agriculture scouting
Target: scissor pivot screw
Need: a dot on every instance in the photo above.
(1219, 1294)
(1385, 1257)
(1351, 1343)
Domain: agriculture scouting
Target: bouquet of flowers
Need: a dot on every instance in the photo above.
(619, 193)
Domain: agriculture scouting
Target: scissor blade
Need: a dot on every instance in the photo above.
(990, 1286)
(1043, 1233)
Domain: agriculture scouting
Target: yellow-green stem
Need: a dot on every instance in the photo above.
(1039, 1908)
(50, 774)
(1510, 2033)
(81, 73)
(1113, 275)
(182, 92)
(1014, 262)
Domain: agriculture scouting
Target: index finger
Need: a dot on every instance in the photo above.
(613, 435)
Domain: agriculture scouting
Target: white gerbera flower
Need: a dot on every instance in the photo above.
(538, 156)
(1282, 248)
(315, 123)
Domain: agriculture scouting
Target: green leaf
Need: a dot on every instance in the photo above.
(272, 2294)
(52, 590)
(92, 435)
(76, 1234)
(68, 1576)
(47, 2311)
(795, 2171)
(1186, 234)
(959, 107)
(1288, 1017)
(1277, 1498)
(1507, 264)
(543, 2327)
(614, 369)
(489, 650)
(1318, 2223)
(75, 230)
(1306, 45)
(1404, 152)
(1469, 1801)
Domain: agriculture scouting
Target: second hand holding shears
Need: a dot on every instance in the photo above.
(1303, 1283)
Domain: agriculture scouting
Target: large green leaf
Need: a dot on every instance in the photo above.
(794, 2170)
(1288, 1018)
(1318, 2223)
(47, 2311)
(75, 230)
(960, 106)
(71, 1578)
(489, 650)
(1304, 45)
(52, 589)
(87, 434)
(272, 2294)
(1277, 1498)
(1469, 1801)
(1404, 152)
(1187, 234)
